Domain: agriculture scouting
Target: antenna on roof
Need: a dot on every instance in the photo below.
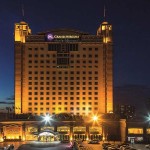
(104, 13)
(22, 7)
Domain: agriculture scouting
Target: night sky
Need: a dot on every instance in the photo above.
(131, 34)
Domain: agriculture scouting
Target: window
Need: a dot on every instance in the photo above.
(30, 83)
(30, 88)
(96, 103)
(71, 103)
(30, 109)
(83, 103)
(83, 108)
(77, 93)
(35, 104)
(59, 93)
(78, 98)
(89, 108)
(47, 88)
(71, 88)
(47, 98)
(96, 88)
(35, 98)
(96, 98)
(30, 93)
(66, 103)
(71, 93)
(71, 108)
(30, 98)
(84, 78)
(47, 109)
(90, 103)
(29, 104)
(41, 93)
(78, 108)
(41, 98)
(90, 98)
(90, 93)
(96, 93)
(41, 88)
(83, 93)
(29, 48)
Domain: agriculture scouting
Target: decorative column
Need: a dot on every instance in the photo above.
(71, 132)
(123, 130)
(87, 132)
(23, 132)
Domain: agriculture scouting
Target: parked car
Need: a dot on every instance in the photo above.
(105, 145)
(65, 141)
(94, 142)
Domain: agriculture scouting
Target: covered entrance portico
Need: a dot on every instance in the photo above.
(47, 136)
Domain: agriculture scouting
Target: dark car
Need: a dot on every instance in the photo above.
(65, 141)
(105, 145)
(93, 142)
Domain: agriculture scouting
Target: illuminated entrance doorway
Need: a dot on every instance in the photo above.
(47, 136)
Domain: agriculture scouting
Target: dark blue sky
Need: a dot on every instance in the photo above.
(131, 32)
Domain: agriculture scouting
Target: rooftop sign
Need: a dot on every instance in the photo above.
(50, 37)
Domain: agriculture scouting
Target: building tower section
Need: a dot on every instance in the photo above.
(63, 71)
(21, 30)
(105, 30)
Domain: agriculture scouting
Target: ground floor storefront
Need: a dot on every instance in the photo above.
(27, 130)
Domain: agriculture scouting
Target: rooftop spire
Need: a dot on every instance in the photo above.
(22, 7)
(104, 13)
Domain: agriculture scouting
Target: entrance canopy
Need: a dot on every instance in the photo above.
(46, 134)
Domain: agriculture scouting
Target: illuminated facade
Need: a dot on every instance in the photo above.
(63, 71)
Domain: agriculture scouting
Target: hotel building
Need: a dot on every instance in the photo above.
(63, 71)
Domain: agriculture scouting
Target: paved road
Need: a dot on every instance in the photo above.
(58, 146)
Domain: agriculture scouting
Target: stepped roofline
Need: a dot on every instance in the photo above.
(64, 31)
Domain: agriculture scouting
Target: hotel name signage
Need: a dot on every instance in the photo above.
(51, 36)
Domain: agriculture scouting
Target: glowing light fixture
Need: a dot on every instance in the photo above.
(47, 118)
(95, 118)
